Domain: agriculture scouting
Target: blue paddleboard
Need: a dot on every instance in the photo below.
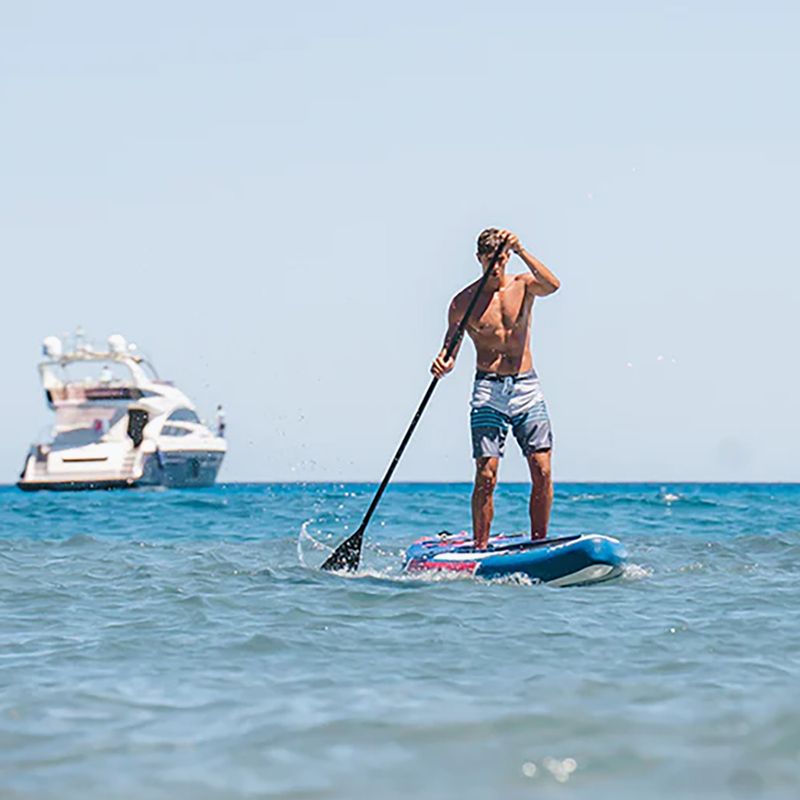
(566, 561)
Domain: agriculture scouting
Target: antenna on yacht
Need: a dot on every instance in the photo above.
(81, 344)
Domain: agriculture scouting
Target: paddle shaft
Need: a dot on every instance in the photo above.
(348, 554)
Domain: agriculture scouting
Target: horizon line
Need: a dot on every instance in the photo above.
(593, 482)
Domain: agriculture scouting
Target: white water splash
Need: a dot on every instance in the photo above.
(669, 497)
(393, 574)
(305, 536)
(636, 572)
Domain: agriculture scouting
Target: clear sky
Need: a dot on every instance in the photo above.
(277, 201)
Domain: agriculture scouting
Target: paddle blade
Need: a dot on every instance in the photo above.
(347, 555)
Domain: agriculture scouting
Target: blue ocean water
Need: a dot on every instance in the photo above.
(169, 644)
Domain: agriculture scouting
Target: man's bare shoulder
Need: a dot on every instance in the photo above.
(461, 300)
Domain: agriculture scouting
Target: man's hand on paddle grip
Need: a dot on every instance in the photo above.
(440, 367)
(512, 241)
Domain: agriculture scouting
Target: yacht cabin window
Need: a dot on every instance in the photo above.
(183, 415)
(174, 430)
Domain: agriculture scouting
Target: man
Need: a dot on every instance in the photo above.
(506, 392)
(220, 421)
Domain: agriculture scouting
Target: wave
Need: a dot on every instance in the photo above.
(261, 643)
(78, 540)
(193, 501)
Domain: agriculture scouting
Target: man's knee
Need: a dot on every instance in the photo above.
(485, 475)
(540, 465)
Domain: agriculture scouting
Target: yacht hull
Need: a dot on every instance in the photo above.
(75, 485)
(183, 469)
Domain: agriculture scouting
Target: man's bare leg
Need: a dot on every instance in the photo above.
(541, 493)
(483, 499)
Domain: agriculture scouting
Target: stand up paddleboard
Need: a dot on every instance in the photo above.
(568, 561)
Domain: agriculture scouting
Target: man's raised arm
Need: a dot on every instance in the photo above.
(544, 282)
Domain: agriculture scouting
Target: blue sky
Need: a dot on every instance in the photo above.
(277, 201)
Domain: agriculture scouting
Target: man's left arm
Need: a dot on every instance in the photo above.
(544, 282)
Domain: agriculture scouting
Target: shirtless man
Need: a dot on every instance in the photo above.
(506, 390)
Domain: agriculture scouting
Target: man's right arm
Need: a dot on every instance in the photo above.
(442, 366)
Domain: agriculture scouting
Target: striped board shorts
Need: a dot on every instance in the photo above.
(503, 401)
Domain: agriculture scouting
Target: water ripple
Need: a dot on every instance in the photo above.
(173, 644)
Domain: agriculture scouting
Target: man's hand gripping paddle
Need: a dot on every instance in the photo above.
(348, 554)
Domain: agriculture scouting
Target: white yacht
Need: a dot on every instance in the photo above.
(117, 424)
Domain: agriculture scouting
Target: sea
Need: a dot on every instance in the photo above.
(184, 644)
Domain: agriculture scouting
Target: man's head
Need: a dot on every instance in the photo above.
(488, 242)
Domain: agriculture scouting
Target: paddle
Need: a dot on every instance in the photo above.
(348, 554)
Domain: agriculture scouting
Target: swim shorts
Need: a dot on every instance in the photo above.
(503, 401)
